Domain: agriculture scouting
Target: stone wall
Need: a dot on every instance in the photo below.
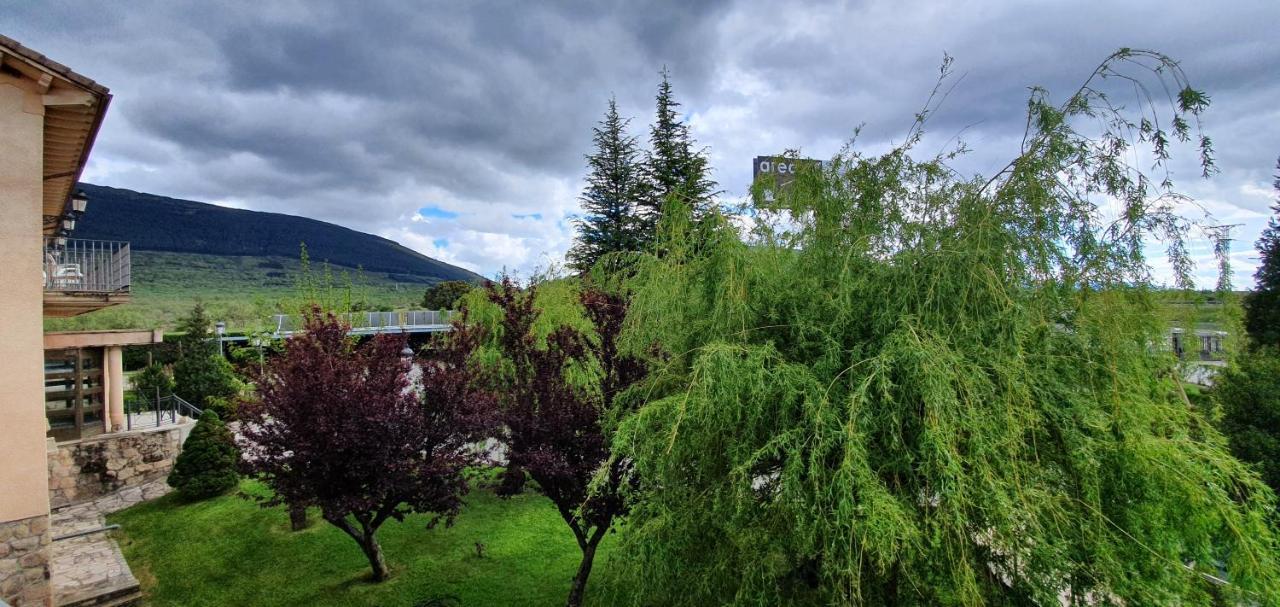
(87, 469)
(24, 562)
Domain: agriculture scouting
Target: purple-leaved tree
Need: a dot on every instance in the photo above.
(554, 429)
(340, 426)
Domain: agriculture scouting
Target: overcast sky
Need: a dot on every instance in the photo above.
(458, 128)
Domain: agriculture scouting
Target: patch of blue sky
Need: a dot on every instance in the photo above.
(434, 212)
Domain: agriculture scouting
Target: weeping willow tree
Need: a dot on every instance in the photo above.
(911, 387)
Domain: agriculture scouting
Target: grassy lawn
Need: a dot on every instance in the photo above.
(229, 551)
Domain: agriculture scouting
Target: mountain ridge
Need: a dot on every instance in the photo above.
(151, 222)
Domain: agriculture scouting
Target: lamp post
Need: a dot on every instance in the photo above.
(414, 373)
(257, 342)
(221, 328)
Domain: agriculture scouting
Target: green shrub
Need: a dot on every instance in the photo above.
(445, 295)
(135, 357)
(207, 465)
(206, 381)
(203, 376)
(152, 381)
(1249, 393)
(224, 407)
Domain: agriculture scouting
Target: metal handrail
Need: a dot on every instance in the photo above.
(85, 532)
(170, 407)
(86, 266)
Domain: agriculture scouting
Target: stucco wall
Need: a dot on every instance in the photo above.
(22, 444)
(84, 470)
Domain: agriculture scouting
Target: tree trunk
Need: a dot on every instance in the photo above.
(297, 517)
(579, 588)
(369, 544)
(365, 536)
(513, 480)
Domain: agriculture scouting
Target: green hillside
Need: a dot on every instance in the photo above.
(243, 265)
(242, 290)
(158, 223)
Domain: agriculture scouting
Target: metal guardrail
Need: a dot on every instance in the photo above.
(86, 266)
(165, 408)
(368, 321)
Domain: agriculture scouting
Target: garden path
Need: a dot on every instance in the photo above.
(89, 569)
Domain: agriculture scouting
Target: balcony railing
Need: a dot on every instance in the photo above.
(86, 266)
(372, 322)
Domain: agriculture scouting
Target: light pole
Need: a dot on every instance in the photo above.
(257, 341)
(221, 328)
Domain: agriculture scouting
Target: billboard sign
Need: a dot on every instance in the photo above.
(782, 169)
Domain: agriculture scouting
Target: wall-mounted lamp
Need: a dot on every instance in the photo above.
(66, 222)
(79, 202)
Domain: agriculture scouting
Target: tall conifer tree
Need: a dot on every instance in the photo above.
(676, 166)
(1262, 307)
(615, 187)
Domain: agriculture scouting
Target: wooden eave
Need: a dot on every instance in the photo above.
(73, 108)
(100, 339)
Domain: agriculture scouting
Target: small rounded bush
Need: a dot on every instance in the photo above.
(207, 465)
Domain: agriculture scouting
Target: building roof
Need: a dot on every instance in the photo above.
(15, 47)
(73, 109)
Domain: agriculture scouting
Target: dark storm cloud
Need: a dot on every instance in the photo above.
(885, 55)
(514, 83)
(363, 113)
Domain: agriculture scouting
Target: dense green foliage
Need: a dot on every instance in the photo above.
(201, 375)
(207, 464)
(1249, 393)
(207, 381)
(228, 551)
(616, 185)
(1262, 306)
(157, 223)
(153, 382)
(909, 387)
(196, 329)
(445, 295)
